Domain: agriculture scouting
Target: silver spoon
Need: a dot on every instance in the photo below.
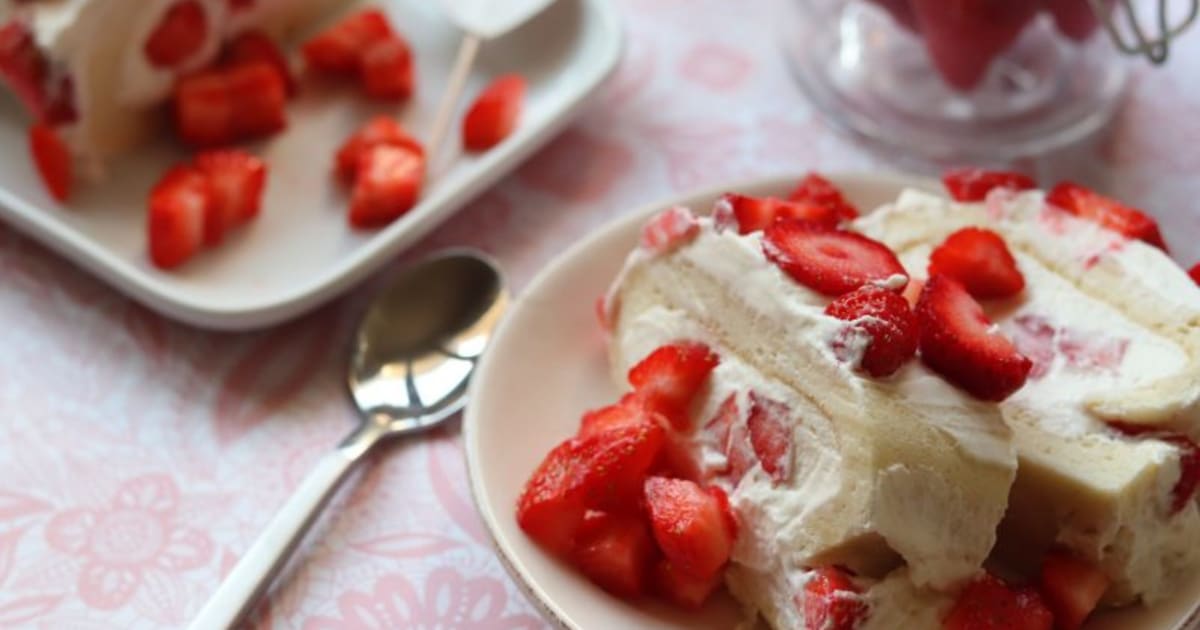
(413, 355)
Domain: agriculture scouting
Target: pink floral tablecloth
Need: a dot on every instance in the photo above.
(139, 457)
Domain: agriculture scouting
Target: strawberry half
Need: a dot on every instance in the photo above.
(979, 259)
(681, 588)
(616, 552)
(338, 50)
(257, 47)
(832, 262)
(831, 601)
(974, 184)
(493, 115)
(688, 525)
(989, 604)
(957, 341)
(886, 319)
(387, 70)
(963, 42)
(752, 214)
(387, 186)
(668, 379)
(237, 179)
(1109, 213)
(52, 159)
(178, 206)
(769, 424)
(179, 35)
(379, 130)
(817, 190)
(1071, 586)
(551, 507)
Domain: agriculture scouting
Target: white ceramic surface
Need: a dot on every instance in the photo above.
(301, 251)
(548, 363)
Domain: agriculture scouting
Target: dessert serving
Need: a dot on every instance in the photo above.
(968, 413)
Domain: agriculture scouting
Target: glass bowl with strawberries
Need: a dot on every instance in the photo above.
(957, 80)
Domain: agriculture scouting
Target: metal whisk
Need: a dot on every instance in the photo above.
(1136, 42)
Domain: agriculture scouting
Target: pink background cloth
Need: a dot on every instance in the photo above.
(139, 457)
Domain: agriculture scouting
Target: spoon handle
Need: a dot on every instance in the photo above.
(454, 87)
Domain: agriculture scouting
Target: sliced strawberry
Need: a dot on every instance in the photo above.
(178, 206)
(831, 601)
(885, 319)
(204, 109)
(676, 460)
(237, 179)
(681, 588)
(668, 379)
(616, 463)
(259, 96)
(963, 42)
(752, 214)
(817, 190)
(1194, 273)
(616, 552)
(52, 159)
(378, 130)
(551, 508)
(1071, 586)
(989, 604)
(257, 47)
(180, 34)
(739, 453)
(974, 184)
(688, 524)
(387, 70)
(494, 113)
(338, 50)
(769, 423)
(979, 259)
(388, 184)
(1109, 213)
(1189, 459)
(831, 262)
(958, 342)
(669, 229)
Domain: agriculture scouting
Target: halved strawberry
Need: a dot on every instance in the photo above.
(616, 552)
(203, 108)
(339, 49)
(256, 46)
(1109, 213)
(769, 423)
(52, 159)
(668, 378)
(831, 601)
(680, 587)
(387, 70)
(989, 604)
(974, 184)
(752, 214)
(1194, 273)
(1189, 459)
(378, 130)
(387, 186)
(979, 259)
(180, 34)
(494, 113)
(831, 262)
(669, 229)
(259, 96)
(551, 507)
(817, 190)
(963, 42)
(175, 218)
(237, 179)
(1071, 586)
(688, 524)
(886, 319)
(957, 341)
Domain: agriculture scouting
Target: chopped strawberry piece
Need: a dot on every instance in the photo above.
(974, 184)
(912, 291)
(628, 412)
(668, 379)
(1109, 213)
(551, 508)
(1194, 273)
(388, 184)
(338, 50)
(493, 115)
(831, 262)
(1189, 459)
(237, 179)
(769, 422)
(387, 70)
(957, 341)
(256, 46)
(963, 42)
(681, 588)
(1071, 586)
(52, 159)
(979, 259)
(669, 229)
(204, 109)
(24, 69)
(989, 604)
(752, 214)
(178, 206)
(378, 130)
(817, 190)
(616, 552)
(259, 96)
(180, 34)
(616, 462)
(885, 319)
(688, 524)
(675, 460)
(831, 601)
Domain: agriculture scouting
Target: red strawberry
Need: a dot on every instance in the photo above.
(1109, 213)
(387, 70)
(739, 453)
(259, 96)
(727, 513)
(989, 604)
(752, 214)
(668, 378)
(718, 427)
(979, 259)
(675, 460)
(627, 412)
(204, 109)
(551, 507)
(963, 38)
(1194, 272)
(178, 206)
(616, 552)
(616, 462)
(338, 50)
(831, 262)
(886, 319)
(1074, 18)
(256, 46)
(378, 130)
(494, 113)
(958, 343)
(831, 601)
(180, 34)
(819, 191)
(237, 179)
(388, 184)
(25, 70)
(688, 524)
(669, 229)
(52, 159)
(1189, 459)
(974, 184)
(769, 422)
(1071, 586)
(681, 588)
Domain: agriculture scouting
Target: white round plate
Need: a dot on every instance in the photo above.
(548, 363)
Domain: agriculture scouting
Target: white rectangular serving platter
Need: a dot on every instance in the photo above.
(301, 251)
